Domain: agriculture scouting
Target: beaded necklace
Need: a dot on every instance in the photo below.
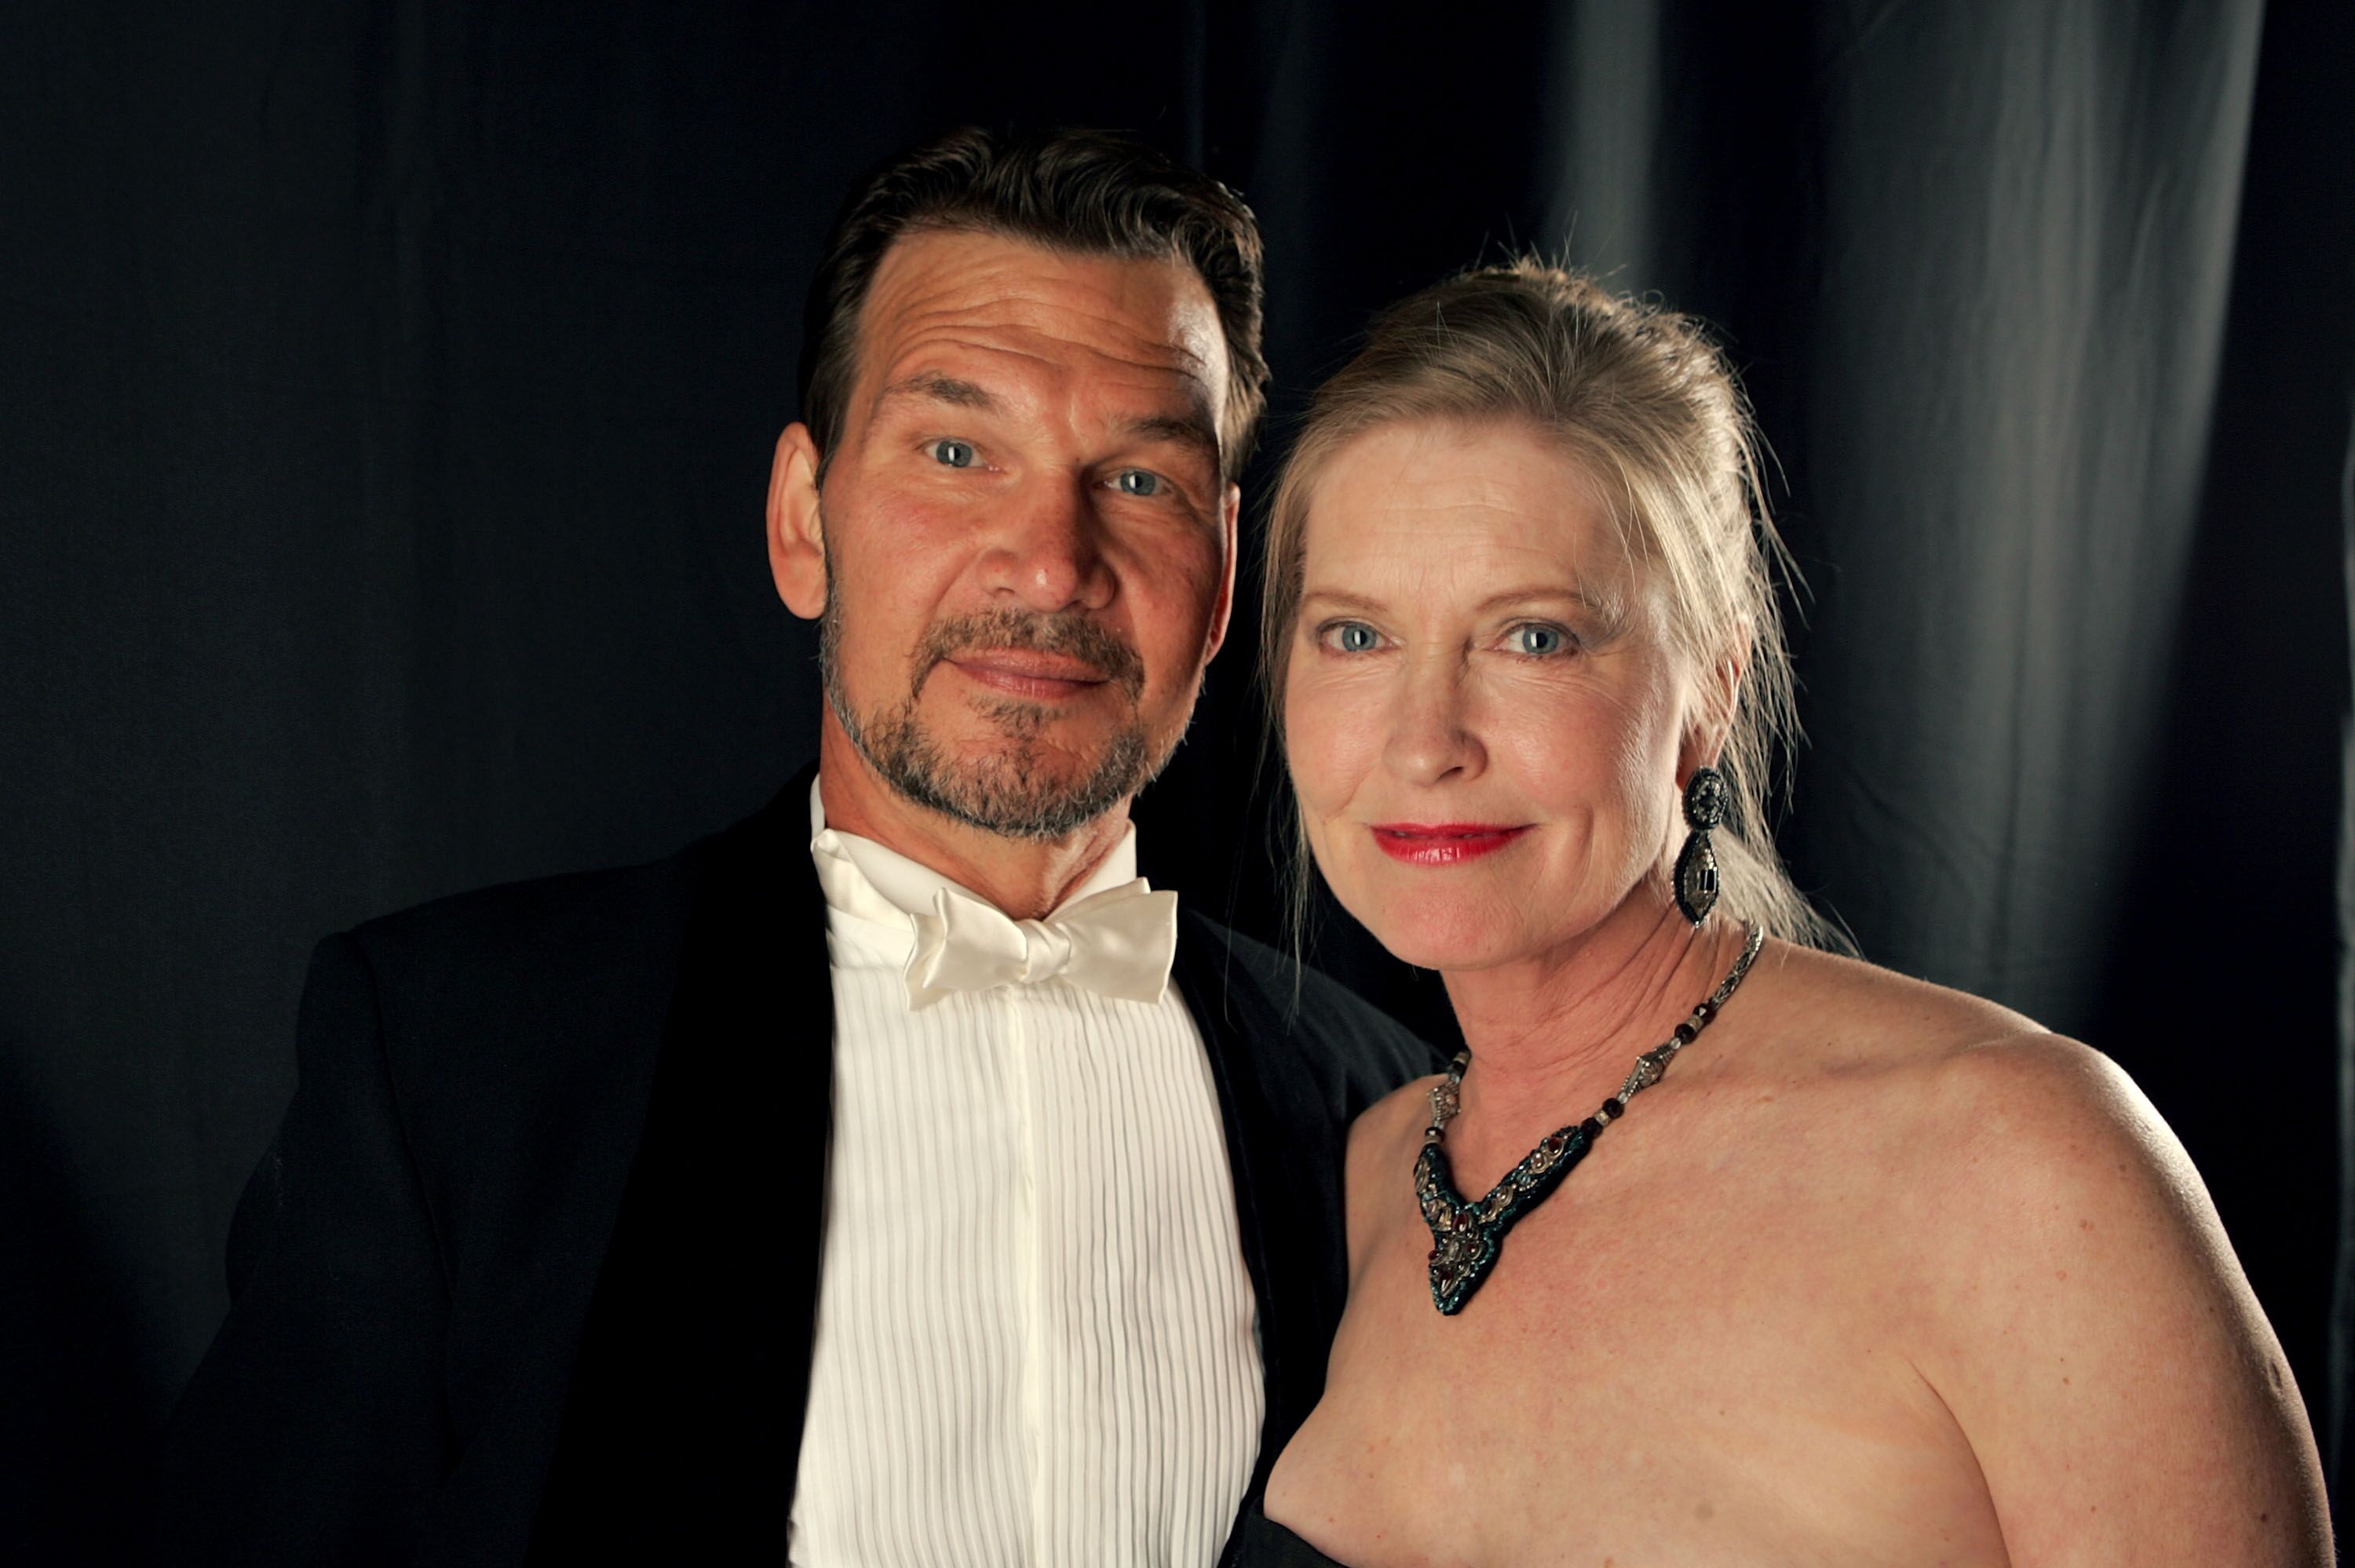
(1465, 1237)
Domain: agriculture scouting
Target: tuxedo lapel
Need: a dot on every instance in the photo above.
(1284, 1145)
(682, 1431)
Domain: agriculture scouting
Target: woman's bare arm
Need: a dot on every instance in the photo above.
(2092, 1332)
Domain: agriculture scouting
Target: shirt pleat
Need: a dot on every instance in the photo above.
(1035, 1339)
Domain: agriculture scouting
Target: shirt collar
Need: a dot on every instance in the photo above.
(870, 882)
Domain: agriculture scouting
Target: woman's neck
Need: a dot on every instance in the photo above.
(1553, 1036)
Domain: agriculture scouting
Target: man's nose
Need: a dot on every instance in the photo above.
(1432, 735)
(1046, 549)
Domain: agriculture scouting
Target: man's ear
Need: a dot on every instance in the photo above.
(1229, 513)
(797, 531)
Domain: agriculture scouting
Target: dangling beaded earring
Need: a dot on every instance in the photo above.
(1705, 803)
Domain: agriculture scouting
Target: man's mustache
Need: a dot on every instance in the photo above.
(1067, 634)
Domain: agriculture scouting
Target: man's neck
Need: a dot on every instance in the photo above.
(1025, 878)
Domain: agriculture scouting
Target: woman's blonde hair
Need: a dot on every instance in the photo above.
(1648, 407)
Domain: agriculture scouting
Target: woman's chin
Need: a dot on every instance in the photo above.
(1437, 939)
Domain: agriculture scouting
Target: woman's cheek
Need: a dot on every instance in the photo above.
(1648, 772)
(1323, 749)
(1312, 739)
(1549, 744)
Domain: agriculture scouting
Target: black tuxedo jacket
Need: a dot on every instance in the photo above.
(528, 1275)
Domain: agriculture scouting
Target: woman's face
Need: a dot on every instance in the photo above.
(1483, 712)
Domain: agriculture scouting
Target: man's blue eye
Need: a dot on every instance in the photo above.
(1137, 481)
(1537, 639)
(953, 454)
(1354, 637)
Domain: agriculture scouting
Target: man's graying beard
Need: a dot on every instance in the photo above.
(1008, 793)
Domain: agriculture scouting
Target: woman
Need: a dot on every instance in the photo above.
(1875, 1272)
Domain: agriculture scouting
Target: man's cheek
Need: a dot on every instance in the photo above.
(881, 664)
(1175, 634)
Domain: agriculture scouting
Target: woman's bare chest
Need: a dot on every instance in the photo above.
(1709, 1371)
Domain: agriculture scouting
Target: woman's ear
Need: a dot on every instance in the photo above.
(797, 529)
(1711, 719)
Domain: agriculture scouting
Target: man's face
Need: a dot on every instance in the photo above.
(1027, 543)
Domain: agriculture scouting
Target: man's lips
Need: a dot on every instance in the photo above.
(1443, 843)
(1021, 672)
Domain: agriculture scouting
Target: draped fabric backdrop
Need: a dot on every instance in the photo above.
(389, 389)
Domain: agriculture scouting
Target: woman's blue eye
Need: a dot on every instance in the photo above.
(1539, 640)
(952, 454)
(1137, 481)
(1354, 637)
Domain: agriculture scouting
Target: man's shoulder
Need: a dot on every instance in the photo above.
(581, 922)
(536, 1004)
(1275, 996)
(567, 922)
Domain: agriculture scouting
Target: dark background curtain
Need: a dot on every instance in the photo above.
(389, 389)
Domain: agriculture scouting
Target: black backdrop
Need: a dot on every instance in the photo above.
(388, 393)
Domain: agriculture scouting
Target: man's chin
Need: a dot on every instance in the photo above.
(1054, 750)
(1030, 780)
(980, 719)
(1017, 787)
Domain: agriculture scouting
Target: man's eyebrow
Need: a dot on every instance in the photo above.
(933, 387)
(1184, 429)
(1190, 429)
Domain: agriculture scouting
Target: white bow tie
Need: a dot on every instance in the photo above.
(1116, 943)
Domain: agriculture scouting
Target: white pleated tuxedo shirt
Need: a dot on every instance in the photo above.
(1036, 1339)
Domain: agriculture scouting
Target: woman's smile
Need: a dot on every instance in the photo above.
(1444, 844)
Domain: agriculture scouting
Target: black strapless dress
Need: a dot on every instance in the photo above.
(1261, 1542)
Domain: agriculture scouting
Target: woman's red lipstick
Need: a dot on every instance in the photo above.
(1443, 843)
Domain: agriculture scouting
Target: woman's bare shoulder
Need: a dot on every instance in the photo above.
(1948, 1075)
(2030, 1168)
(1856, 1012)
(2043, 1230)
(1975, 1110)
(2053, 1231)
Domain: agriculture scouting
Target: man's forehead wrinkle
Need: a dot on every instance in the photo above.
(1017, 324)
(954, 369)
(1028, 289)
(940, 370)
(1035, 329)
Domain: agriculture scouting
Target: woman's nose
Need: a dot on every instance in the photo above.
(1047, 550)
(1431, 734)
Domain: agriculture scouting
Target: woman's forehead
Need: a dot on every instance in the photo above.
(1460, 498)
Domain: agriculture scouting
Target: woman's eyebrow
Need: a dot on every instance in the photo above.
(1338, 596)
(1538, 592)
(1531, 594)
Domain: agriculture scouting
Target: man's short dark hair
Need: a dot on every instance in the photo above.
(1091, 193)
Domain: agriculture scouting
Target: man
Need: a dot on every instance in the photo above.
(892, 1178)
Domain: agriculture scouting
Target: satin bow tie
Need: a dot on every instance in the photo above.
(1116, 943)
